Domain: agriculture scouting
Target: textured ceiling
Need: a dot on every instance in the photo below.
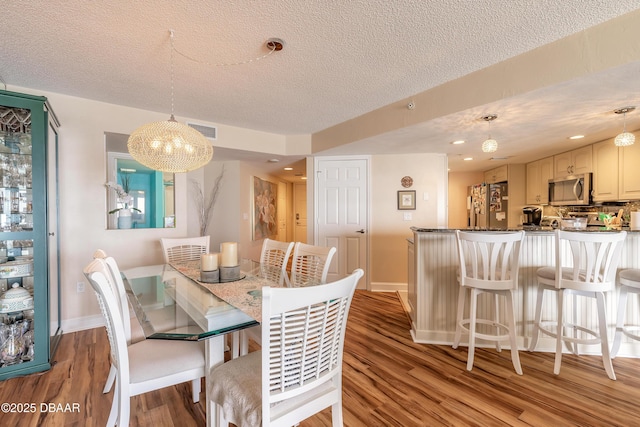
(341, 59)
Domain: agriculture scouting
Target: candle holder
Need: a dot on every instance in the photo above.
(210, 276)
(229, 274)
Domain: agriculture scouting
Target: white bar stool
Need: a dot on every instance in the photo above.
(489, 263)
(586, 265)
(629, 282)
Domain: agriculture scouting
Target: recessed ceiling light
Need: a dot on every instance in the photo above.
(458, 142)
(466, 159)
(273, 160)
(304, 177)
(576, 137)
(288, 169)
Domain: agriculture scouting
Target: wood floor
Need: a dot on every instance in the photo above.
(388, 381)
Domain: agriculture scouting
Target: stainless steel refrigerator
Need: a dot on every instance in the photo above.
(487, 206)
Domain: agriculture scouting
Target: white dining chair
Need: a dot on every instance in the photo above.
(298, 372)
(629, 279)
(310, 264)
(132, 329)
(184, 249)
(143, 366)
(585, 266)
(274, 257)
(489, 263)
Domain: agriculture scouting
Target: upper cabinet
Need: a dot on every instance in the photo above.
(605, 172)
(629, 172)
(616, 175)
(573, 162)
(538, 175)
(499, 174)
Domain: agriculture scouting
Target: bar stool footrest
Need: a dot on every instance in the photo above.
(464, 324)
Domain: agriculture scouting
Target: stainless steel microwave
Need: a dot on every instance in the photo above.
(571, 190)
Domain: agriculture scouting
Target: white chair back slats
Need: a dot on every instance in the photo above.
(273, 260)
(310, 264)
(184, 249)
(303, 333)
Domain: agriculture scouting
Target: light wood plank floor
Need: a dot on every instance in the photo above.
(388, 381)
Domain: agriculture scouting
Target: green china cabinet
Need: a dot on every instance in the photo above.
(29, 267)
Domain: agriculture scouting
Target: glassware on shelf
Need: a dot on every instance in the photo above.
(13, 348)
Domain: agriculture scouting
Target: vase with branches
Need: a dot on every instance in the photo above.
(205, 205)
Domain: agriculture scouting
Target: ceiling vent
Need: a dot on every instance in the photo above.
(210, 132)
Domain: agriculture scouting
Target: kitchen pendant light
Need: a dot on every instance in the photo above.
(169, 146)
(490, 145)
(625, 138)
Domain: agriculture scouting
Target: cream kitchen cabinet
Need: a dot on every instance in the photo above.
(605, 172)
(573, 162)
(499, 174)
(538, 175)
(629, 172)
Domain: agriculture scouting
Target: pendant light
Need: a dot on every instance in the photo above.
(169, 146)
(625, 138)
(490, 145)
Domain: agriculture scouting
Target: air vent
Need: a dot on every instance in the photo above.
(210, 132)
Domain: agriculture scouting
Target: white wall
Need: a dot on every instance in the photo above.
(389, 229)
(82, 195)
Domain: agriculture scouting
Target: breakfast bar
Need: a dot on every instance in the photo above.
(433, 288)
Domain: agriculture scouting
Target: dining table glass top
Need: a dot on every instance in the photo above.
(171, 302)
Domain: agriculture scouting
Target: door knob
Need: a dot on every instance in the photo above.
(361, 231)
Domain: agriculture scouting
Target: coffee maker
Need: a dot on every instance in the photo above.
(531, 215)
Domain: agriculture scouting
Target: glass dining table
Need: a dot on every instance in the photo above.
(171, 303)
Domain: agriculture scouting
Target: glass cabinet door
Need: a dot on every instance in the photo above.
(24, 283)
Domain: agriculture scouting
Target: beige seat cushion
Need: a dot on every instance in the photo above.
(236, 387)
(150, 359)
(631, 274)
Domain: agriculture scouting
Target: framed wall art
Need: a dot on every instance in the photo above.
(406, 200)
(264, 205)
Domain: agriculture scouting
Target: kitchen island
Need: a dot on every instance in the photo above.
(433, 289)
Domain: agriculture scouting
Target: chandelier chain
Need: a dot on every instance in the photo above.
(172, 49)
(223, 64)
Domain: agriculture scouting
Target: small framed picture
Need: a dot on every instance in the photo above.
(407, 200)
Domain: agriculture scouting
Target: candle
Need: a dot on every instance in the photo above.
(209, 262)
(229, 256)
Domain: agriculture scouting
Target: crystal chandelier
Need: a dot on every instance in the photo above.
(625, 138)
(169, 146)
(490, 145)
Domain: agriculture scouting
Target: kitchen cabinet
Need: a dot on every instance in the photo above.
(629, 172)
(538, 175)
(605, 172)
(573, 162)
(499, 174)
(29, 292)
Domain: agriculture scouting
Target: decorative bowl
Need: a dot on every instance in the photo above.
(16, 299)
(574, 223)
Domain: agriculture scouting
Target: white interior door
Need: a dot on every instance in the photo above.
(300, 212)
(342, 213)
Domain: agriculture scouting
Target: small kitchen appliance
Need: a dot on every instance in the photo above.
(531, 215)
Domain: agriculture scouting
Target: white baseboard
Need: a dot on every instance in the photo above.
(79, 324)
(388, 287)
